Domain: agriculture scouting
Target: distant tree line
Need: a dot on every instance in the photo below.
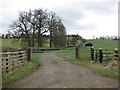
(71, 40)
(74, 39)
(32, 26)
(109, 37)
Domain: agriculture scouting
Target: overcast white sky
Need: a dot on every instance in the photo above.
(83, 17)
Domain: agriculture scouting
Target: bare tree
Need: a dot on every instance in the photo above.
(21, 26)
(52, 26)
(32, 25)
(41, 24)
(59, 34)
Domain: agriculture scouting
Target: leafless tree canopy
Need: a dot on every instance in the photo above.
(32, 25)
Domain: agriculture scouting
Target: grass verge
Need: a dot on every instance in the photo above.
(99, 68)
(85, 61)
(20, 72)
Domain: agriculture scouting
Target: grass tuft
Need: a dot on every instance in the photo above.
(54, 62)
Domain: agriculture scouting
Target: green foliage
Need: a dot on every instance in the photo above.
(21, 72)
(46, 42)
(73, 39)
(78, 42)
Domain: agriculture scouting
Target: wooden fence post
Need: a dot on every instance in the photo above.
(29, 54)
(96, 55)
(92, 54)
(116, 54)
(77, 53)
(100, 55)
(11, 60)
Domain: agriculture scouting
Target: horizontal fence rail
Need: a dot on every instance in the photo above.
(34, 53)
(37, 50)
(104, 54)
(12, 60)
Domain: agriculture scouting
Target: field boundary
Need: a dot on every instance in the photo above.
(13, 60)
(104, 54)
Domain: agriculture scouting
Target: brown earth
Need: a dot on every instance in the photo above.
(54, 72)
(113, 64)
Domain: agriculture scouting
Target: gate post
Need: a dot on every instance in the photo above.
(77, 53)
(96, 55)
(29, 54)
(116, 54)
(100, 55)
(92, 53)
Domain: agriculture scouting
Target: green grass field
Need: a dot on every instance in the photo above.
(83, 52)
(85, 59)
(10, 43)
(98, 43)
(16, 43)
(105, 44)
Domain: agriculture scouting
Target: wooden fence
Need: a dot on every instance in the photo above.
(104, 54)
(12, 61)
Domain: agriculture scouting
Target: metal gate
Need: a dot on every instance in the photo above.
(64, 52)
(68, 53)
(36, 52)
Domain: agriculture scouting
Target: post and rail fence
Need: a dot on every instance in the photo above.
(12, 60)
(104, 54)
(95, 54)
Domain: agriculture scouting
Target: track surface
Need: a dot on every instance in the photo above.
(62, 75)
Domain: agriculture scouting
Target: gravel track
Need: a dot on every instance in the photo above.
(62, 75)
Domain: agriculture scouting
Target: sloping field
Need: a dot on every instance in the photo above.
(105, 44)
(10, 43)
